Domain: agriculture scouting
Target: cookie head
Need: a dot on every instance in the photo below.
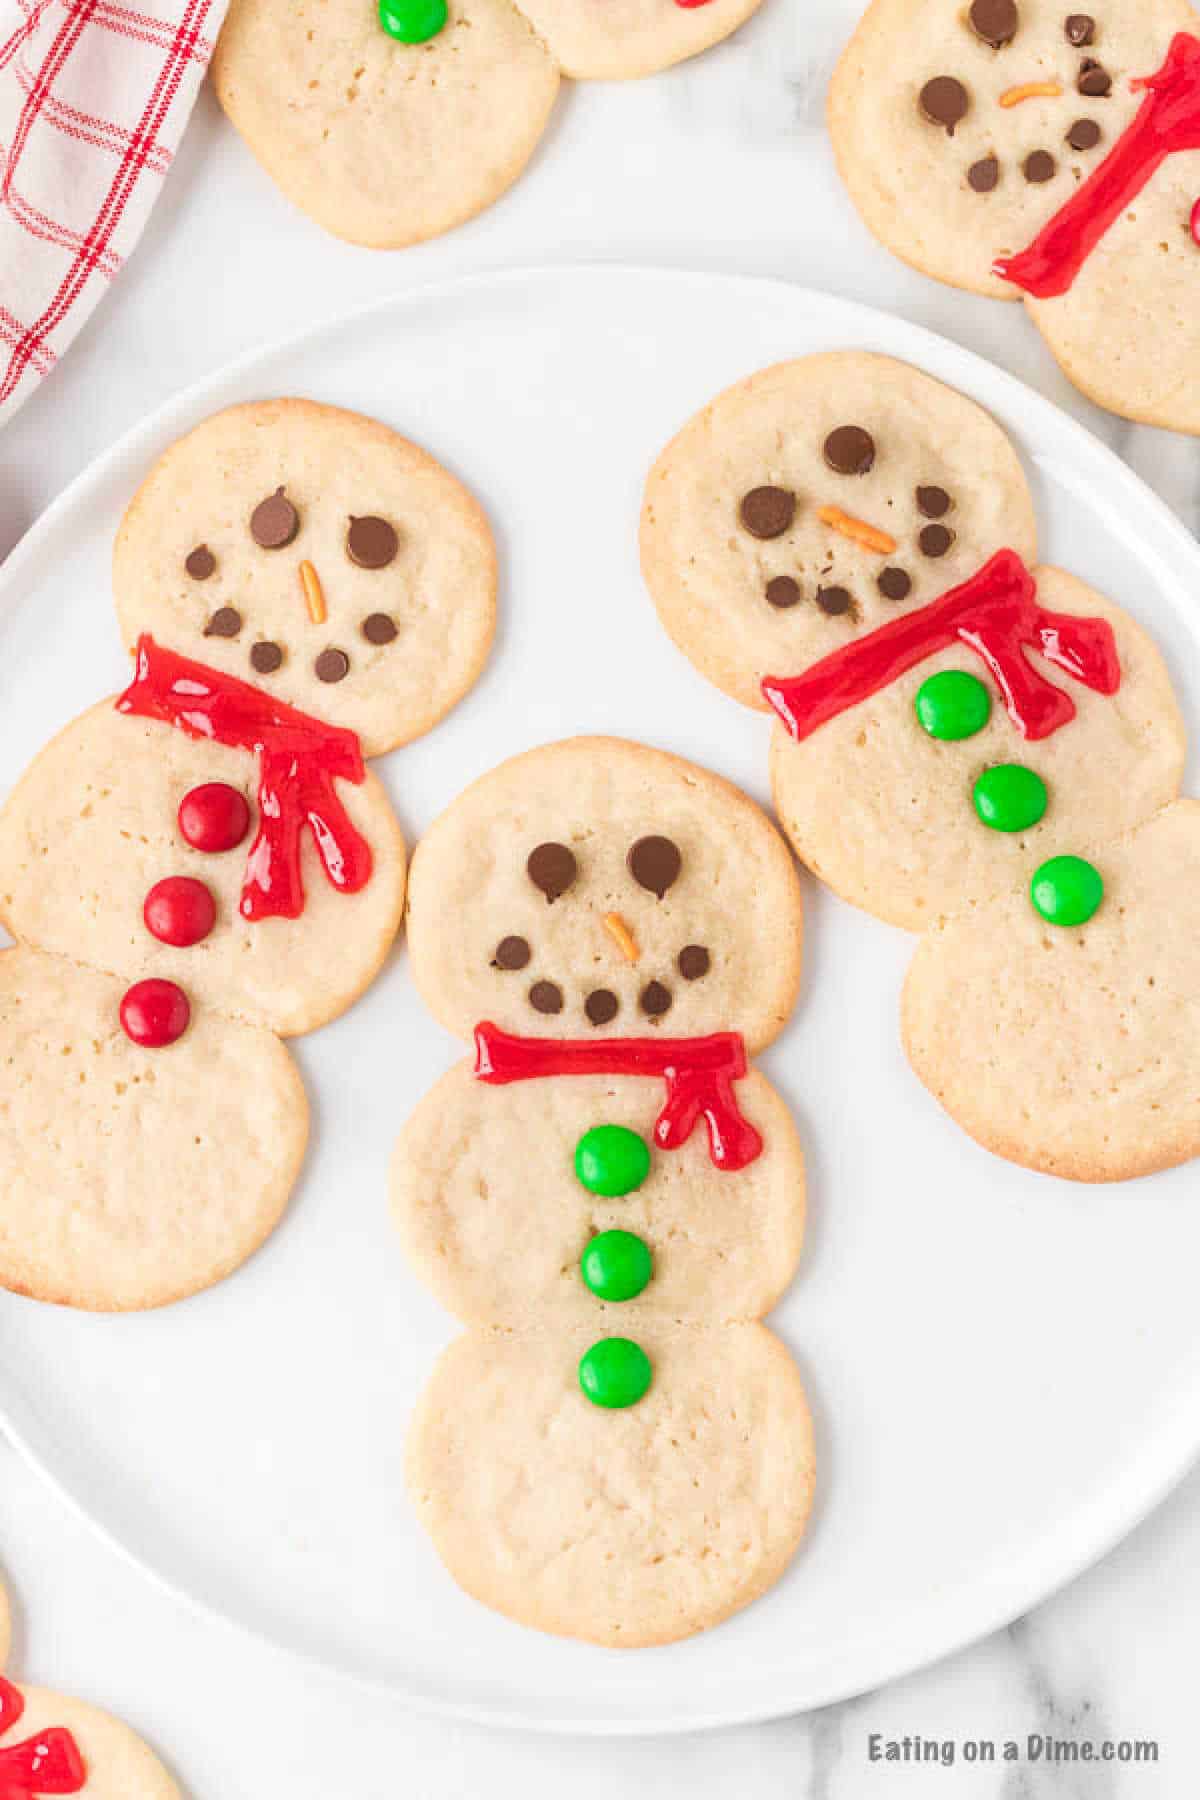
(814, 502)
(320, 556)
(596, 888)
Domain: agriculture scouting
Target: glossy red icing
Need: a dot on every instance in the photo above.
(299, 758)
(179, 910)
(1167, 120)
(154, 1013)
(49, 1763)
(995, 612)
(699, 1074)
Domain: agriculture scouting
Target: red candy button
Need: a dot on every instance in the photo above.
(154, 1013)
(214, 817)
(179, 911)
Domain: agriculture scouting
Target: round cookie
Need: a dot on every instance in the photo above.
(1073, 1050)
(496, 1229)
(93, 824)
(132, 1177)
(627, 38)
(385, 143)
(216, 556)
(960, 131)
(748, 592)
(637, 859)
(623, 1528)
(67, 1747)
(898, 834)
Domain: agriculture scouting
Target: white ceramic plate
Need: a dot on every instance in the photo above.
(1005, 1369)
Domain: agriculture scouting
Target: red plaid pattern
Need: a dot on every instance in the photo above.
(94, 97)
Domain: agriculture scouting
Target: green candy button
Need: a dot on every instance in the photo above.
(615, 1372)
(616, 1265)
(612, 1160)
(1066, 890)
(1010, 797)
(412, 21)
(953, 705)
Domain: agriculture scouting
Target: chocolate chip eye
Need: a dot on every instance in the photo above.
(783, 591)
(371, 543)
(377, 628)
(654, 863)
(934, 502)
(266, 658)
(694, 961)
(935, 540)
(767, 512)
(894, 584)
(849, 450)
(226, 622)
(1039, 165)
(601, 1006)
(995, 21)
(655, 999)
(332, 665)
(982, 176)
(944, 101)
(274, 521)
(546, 997)
(833, 601)
(512, 953)
(200, 563)
(552, 869)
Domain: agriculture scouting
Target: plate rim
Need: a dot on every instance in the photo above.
(995, 1597)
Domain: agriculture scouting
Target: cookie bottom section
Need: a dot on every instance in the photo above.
(625, 1527)
(132, 1177)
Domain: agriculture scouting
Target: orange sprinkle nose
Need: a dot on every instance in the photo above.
(621, 936)
(314, 595)
(859, 532)
(1031, 90)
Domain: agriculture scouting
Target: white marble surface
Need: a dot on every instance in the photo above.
(722, 165)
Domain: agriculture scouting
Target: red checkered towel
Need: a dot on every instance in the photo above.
(94, 96)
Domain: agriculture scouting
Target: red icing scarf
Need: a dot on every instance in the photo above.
(298, 760)
(699, 1073)
(49, 1763)
(994, 612)
(1167, 120)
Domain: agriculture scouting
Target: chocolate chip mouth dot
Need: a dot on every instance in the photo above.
(200, 563)
(552, 868)
(1084, 134)
(1094, 80)
(1079, 29)
(655, 999)
(767, 512)
(378, 628)
(654, 863)
(933, 502)
(834, 601)
(266, 658)
(274, 521)
(332, 665)
(694, 962)
(783, 591)
(1038, 166)
(512, 953)
(601, 1006)
(226, 622)
(982, 176)
(894, 584)
(546, 997)
(371, 542)
(944, 101)
(995, 21)
(935, 540)
(849, 450)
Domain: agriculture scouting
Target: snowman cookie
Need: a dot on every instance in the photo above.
(1059, 1023)
(846, 541)
(51, 1745)
(1023, 150)
(205, 864)
(608, 1195)
(390, 121)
